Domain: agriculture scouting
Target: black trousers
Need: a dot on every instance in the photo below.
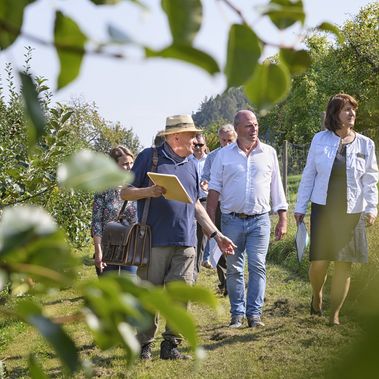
(221, 265)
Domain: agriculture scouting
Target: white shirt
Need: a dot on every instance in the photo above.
(361, 173)
(199, 163)
(247, 183)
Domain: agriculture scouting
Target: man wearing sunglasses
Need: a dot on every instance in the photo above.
(199, 156)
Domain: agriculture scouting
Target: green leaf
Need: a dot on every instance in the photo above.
(90, 171)
(187, 54)
(35, 369)
(297, 61)
(53, 333)
(332, 28)
(21, 224)
(69, 41)
(11, 20)
(66, 116)
(184, 18)
(33, 108)
(244, 50)
(176, 315)
(180, 291)
(130, 341)
(28, 239)
(284, 13)
(269, 84)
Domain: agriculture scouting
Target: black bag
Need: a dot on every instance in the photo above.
(128, 245)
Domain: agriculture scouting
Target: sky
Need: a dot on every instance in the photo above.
(142, 93)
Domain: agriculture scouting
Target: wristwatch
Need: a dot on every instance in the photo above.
(214, 234)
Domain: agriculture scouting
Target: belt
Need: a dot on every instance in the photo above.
(203, 199)
(244, 215)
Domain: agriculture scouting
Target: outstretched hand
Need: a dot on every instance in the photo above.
(225, 244)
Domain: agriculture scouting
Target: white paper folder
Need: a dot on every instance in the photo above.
(174, 188)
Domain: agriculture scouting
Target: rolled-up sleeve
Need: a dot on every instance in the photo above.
(370, 181)
(216, 174)
(278, 197)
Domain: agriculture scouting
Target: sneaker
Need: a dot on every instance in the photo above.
(254, 322)
(145, 353)
(206, 264)
(236, 322)
(169, 350)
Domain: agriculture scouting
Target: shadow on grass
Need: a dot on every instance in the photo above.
(72, 300)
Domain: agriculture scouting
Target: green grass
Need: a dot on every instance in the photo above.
(292, 344)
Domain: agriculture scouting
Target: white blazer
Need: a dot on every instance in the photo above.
(361, 172)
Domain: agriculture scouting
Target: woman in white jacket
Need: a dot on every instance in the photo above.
(340, 179)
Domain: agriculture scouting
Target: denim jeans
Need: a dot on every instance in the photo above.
(251, 235)
(207, 252)
(121, 269)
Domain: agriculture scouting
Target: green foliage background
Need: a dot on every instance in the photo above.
(30, 175)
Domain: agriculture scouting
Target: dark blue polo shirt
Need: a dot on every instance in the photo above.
(172, 222)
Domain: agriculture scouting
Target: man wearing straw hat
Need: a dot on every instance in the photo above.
(172, 222)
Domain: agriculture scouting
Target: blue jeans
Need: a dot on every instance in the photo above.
(122, 269)
(207, 252)
(253, 235)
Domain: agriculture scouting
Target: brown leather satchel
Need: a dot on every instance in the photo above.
(128, 245)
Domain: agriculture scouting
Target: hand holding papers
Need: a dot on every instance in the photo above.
(301, 240)
(174, 188)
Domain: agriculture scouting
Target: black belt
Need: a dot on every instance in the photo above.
(203, 199)
(244, 215)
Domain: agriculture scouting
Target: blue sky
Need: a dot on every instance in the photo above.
(140, 94)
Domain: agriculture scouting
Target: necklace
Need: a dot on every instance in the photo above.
(342, 143)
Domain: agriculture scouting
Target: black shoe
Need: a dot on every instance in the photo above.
(146, 352)
(315, 311)
(169, 350)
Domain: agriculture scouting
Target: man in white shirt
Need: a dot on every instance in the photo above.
(199, 157)
(245, 177)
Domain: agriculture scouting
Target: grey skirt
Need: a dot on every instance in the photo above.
(337, 236)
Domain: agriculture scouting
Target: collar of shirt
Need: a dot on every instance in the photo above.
(170, 154)
(258, 148)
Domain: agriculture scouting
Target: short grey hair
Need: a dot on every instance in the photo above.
(226, 129)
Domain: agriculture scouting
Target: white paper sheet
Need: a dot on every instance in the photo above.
(215, 252)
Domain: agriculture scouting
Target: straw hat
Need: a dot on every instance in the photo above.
(179, 124)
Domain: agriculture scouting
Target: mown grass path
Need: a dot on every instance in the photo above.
(293, 344)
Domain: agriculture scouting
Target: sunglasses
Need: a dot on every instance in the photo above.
(197, 145)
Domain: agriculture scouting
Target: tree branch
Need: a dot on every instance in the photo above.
(5, 26)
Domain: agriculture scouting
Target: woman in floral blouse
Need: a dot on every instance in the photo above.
(106, 207)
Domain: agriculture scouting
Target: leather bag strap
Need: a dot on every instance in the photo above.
(119, 217)
(147, 201)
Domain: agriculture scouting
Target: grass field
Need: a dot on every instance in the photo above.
(293, 344)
